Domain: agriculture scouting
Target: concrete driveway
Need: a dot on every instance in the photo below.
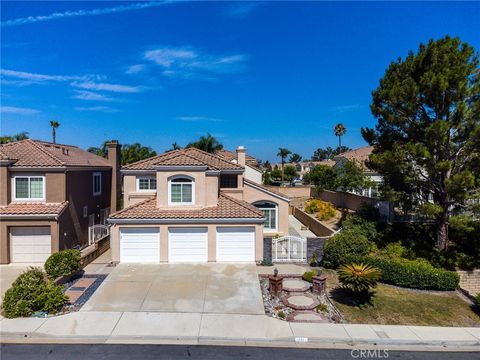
(8, 274)
(187, 288)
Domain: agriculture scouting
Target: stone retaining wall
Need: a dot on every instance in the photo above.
(88, 255)
(470, 281)
(315, 244)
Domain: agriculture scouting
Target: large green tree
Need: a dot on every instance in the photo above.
(427, 139)
(323, 176)
(328, 153)
(128, 153)
(16, 137)
(207, 143)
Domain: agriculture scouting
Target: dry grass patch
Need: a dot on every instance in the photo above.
(397, 306)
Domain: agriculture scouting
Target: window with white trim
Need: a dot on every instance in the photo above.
(97, 183)
(270, 212)
(181, 191)
(29, 188)
(146, 183)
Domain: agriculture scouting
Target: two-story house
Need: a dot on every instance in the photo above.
(191, 206)
(51, 196)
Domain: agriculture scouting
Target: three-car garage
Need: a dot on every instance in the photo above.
(187, 244)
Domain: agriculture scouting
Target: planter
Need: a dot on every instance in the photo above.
(67, 278)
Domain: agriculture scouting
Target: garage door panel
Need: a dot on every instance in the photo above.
(30, 244)
(140, 245)
(188, 245)
(235, 244)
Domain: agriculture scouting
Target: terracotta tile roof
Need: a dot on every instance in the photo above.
(184, 157)
(230, 156)
(360, 154)
(33, 208)
(228, 208)
(33, 153)
(273, 192)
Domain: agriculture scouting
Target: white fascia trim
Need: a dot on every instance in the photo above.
(137, 172)
(30, 217)
(267, 192)
(188, 221)
(181, 168)
(232, 171)
(35, 169)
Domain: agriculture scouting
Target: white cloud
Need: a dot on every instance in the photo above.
(190, 63)
(96, 108)
(345, 108)
(18, 110)
(243, 8)
(117, 88)
(77, 13)
(198, 118)
(37, 77)
(135, 69)
(91, 96)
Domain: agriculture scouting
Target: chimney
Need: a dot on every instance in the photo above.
(241, 156)
(113, 157)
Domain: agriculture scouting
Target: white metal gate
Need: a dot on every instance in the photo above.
(289, 248)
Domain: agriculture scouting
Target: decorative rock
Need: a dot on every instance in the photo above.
(319, 282)
(301, 301)
(295, 285)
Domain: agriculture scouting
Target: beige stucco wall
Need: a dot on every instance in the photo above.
(253, 195)
(4, 186)
(55, 187)
(212, 239)
(130, 194)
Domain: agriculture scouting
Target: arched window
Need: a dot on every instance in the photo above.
(181, 190)
(270, 211)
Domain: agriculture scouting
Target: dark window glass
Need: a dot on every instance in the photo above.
(228, 181)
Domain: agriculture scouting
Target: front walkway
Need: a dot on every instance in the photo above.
(295, 228)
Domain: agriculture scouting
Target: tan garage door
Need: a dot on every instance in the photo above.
(30, 244)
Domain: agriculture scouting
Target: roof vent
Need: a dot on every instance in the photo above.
(65, 151)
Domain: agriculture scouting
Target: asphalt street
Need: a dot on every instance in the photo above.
(202, 352)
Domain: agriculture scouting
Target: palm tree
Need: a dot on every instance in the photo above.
(207, 143)
(54, 124)
(283, 153)
(339, 131)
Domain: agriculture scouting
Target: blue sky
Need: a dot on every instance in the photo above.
(262, 75)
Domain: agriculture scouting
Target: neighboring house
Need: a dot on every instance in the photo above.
(191, 206)
(360, 156)
(252, 167)
(51, 195)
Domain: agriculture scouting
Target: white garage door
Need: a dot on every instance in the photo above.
(188, 244)
(235, 244)
(140, 245)
(30, 244)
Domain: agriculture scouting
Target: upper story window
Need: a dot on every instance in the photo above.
(29, 188)
(146, 184)
(270, 212)
(181, 191)
(229, 181)
(97, 183)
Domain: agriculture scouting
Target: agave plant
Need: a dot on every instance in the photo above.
(359, 278)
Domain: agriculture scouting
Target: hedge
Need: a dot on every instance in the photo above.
(62, 263)
(417, 274)
(348, 242)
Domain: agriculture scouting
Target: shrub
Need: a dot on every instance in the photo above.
(312, 206)
(362, 226)
(359, 278)
(281, 314)
(62, 263)
(346, 243)
(477, 299)
(324, 209)
(418, 274)
(308, 275)
(266, 262)
(322, 308)
(31, 292)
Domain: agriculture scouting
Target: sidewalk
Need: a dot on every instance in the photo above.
(222, 329)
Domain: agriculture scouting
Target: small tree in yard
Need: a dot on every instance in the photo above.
(427, 139)
(359, 278)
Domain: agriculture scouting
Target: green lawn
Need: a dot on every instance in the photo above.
(395, 306)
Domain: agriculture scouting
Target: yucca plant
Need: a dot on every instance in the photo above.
(359, 278)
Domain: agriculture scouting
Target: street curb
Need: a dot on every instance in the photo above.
(297, 342)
